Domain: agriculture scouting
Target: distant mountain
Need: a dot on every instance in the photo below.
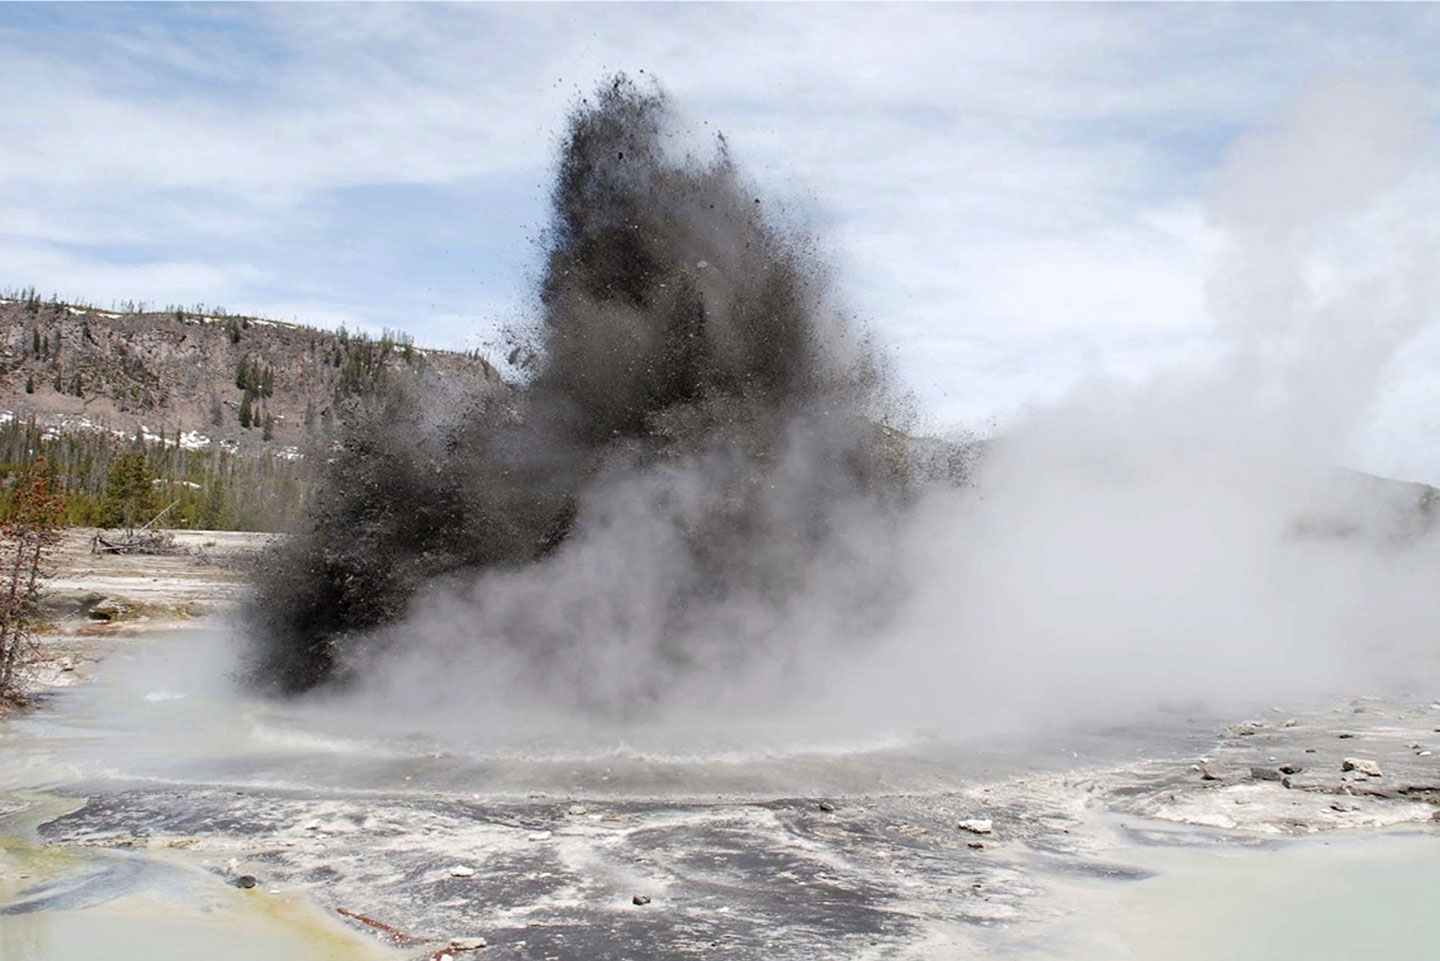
(244, 384)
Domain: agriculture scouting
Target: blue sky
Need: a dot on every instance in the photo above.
(1014, 197)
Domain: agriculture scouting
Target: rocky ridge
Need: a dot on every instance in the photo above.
(177, 374)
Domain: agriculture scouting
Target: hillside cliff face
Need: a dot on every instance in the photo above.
(240, 383)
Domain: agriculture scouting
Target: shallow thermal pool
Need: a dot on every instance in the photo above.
(169, 711)
(149, 928)
(163, 716)
(1321, 899)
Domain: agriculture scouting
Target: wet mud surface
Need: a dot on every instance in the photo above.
(781, 878)
(889, 875)
(865, 857)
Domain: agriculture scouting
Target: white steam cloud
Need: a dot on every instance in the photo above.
(1191, 538)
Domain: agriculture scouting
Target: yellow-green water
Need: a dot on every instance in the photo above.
(248, 925)
(147, 906)
(1336, 899)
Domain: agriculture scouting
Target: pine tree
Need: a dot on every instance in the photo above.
(129, 497)
(247, 409)
(29, 535)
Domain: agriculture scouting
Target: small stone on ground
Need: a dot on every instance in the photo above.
(467, 944)
(1360, 765)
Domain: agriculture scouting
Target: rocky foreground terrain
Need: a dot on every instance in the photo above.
(975, 866)
(97, 602)
(914, 853)
(434, 854)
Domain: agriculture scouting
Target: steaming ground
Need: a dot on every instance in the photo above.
(163, 781)
(693, 526)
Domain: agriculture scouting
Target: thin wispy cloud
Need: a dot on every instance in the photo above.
(1015, 197)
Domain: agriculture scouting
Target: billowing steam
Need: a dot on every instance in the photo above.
(693, 504)
(1194, 538)
(652, 502)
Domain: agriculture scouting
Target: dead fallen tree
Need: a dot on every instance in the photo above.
(142, 541)
(135, 542)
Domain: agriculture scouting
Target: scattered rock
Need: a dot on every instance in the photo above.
(976, 845)
(467, 944)
(1292, 722)
(1291, 768)
(977, 825)
(108, 609)
(1242, 730)
(67, 663)
(462, 871)
(1361, 766)
(1205, 774)
(1344, 735)
(1309, 750)
(578, 810)
(539, 835)
(826, 806)
(245, 881)
(1264, 774)
(1424, 753)
(640, 899)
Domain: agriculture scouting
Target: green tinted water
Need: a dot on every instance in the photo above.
(1339, 899)
(64, 904)
(249, 926)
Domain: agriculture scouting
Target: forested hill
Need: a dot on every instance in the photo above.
(243, 382)
(220, 408)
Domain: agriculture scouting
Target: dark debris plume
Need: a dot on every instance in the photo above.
(678, 327)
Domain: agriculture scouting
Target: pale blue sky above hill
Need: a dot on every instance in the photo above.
(1014, 197)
